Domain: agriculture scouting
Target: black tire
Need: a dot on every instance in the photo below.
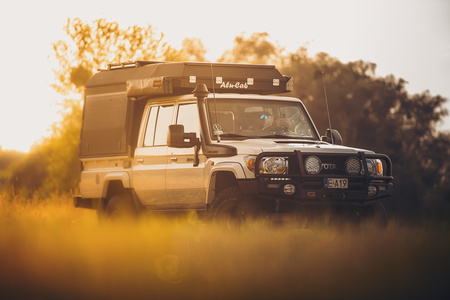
(120, 207)
(234, 209)
(379, 214)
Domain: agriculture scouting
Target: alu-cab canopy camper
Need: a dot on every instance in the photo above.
(115, 98)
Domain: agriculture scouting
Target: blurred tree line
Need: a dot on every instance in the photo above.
(370, 112)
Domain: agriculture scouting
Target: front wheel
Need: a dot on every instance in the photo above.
(378, 214)
(234, 209)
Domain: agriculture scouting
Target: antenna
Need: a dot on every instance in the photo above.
(215, 127)
(328, 111)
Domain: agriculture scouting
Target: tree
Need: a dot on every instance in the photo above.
(370, 112)
(194, 49)
(53, 165)
(257, 49)
(91, 47)
(61, 147)
(28, 174)
(8, 160)
(378, 114)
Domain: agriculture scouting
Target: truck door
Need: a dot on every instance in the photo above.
(150, 160)
(184, 182)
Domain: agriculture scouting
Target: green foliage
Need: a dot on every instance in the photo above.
(194, 49)
(28, 174)
(62, 151)
(370, 112)
(92, 46)
(8, 160)
(53, 165)
(378, 114)
(256, 49)
(88, 48)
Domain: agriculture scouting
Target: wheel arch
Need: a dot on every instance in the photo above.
(113, 182)
(116, 184)
(222, 177)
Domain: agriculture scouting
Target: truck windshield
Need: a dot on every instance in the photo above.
(237, 119)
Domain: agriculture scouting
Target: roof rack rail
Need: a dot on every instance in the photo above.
(131, 64)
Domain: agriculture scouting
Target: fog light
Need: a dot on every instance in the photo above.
(289, 189)
(372, 191)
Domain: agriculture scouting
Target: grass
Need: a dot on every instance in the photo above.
(50, 250)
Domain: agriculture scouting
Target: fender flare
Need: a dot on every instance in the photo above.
(123, 177)
(231, 167)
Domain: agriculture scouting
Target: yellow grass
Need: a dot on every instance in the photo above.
(50, 250)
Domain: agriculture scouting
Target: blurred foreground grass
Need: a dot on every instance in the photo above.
(50, 250)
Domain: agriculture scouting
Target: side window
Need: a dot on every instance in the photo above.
(162, 125)
(188, 116)
(150, 130)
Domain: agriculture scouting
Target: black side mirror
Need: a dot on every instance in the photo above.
(177, 138)
(333, 137)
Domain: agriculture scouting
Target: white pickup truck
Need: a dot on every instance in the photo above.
(215, 139)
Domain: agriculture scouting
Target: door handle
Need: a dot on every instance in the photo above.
(174, 159)
(140, 160)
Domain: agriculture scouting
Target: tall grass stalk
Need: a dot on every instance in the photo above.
(50, 250)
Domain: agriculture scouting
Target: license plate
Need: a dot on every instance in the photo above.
(336, 183)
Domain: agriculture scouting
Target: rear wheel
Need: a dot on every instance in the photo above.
(120, 207)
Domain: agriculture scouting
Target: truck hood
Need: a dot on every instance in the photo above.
(256, 146)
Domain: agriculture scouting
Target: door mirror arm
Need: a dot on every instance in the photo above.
(177, 138)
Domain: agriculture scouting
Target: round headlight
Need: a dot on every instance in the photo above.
(353, 166)
(274, 165)
(313, 165)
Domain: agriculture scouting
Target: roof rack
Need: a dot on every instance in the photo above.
(130, 64)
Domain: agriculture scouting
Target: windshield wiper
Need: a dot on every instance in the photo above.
(277, 136)
(270, 136)
(237, 136)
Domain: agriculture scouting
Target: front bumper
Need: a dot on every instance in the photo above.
(300, 188)
(314, 192)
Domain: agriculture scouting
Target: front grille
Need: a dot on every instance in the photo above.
(331, 164)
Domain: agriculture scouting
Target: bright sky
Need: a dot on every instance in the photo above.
(407, 38)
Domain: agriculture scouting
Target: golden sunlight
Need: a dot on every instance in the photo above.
(50, 249)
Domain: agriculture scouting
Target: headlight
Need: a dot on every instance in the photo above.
(375, 167)
(274, 165)
(313, 165)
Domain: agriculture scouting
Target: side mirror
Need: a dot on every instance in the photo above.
(177, 138)
(333, 137)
